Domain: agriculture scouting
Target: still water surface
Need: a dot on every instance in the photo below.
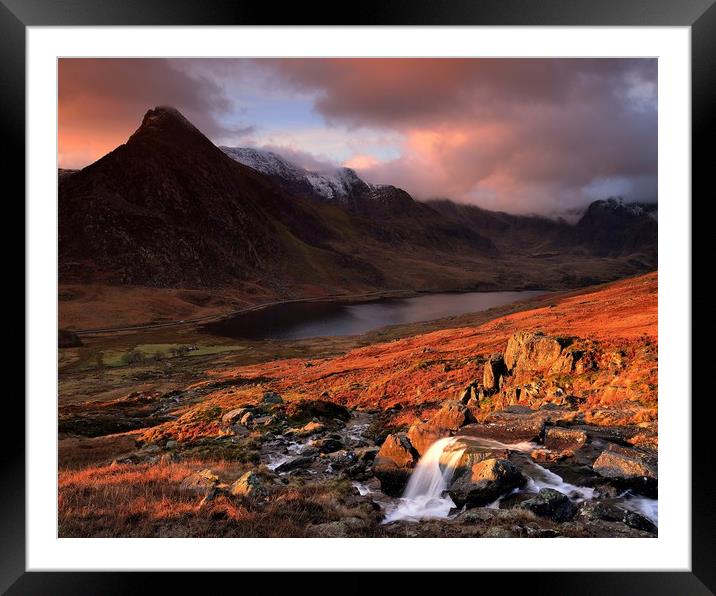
(300, 320)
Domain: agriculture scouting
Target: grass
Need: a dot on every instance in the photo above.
(146, 500)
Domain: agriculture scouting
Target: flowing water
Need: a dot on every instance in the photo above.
(425, 496)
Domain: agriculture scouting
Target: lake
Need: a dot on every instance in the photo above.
(299, 320)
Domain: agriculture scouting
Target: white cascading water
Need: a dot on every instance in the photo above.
(424, 496)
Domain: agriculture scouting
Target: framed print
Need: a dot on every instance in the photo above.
(408, 293)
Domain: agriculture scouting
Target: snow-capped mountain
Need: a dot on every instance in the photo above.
(337, 185)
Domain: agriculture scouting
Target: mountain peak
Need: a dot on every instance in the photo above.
(164, 119)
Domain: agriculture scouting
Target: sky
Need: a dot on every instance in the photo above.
(518, 135)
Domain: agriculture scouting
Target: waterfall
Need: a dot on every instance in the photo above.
(423, 496)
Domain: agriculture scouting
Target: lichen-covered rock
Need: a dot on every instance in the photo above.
(234, 415)
(558, 438)
(485, 481)
(249, 485)
(271, 397)
(200, 482)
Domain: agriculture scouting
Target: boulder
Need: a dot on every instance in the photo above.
(552, 504)
(247, 419)
(234, 415)
(310, 428)
(317, 409)
(494, 369)
(271, 397)
(327, 445)
(393, 463)
(200, 482)
(558, 438)
(249, 485)
(338, 529)
(302, 461)
(596, 510)
(528, 351)
(424, 434)
(485, 481)
(452, 416)
(629, 468)
(516, 423)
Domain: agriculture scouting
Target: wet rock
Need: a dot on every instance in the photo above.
(200, 482)
(452, 416)
(596, 510)
(367, 454)
(271, 397)
(494, 369)
(424, 434)
(327, 445)
(394, 462)
(249, 485)
(342, 459)
(302, 461)
(311, 428)
(558, 438)
(528, 351)
(552, 504)
(484, 482)
(629, 468)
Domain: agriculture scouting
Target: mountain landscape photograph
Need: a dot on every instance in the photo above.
(357, 297)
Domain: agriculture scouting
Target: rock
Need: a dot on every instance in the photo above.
(552, 504)
(558, 438)
(317, 409)
(212, 493)
(424, 434)
(527, 351)
(393, 463)
(498, 532)
(327, 445)
(494, 369)
(247, 418)
(271, 397)
(517, 423)
(249, 485)
(200, 482)
(338, 529)
(311, 428)
(234, 415)
(596, 510)
(302, 461)
(478, 514)
(367, 454)
(485, 481)
(470, 392)
(452, 416)
(171, 444)
(629, 468)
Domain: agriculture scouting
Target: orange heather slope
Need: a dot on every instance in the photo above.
(617, 322)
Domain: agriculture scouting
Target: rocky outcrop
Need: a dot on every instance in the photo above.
(394, 463)
(552, 504)
(516, 423)
(484, 482)
(493, 371)
(528, 351)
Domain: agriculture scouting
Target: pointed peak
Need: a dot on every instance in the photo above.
(164, 119)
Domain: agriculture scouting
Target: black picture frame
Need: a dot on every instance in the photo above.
(699, 15)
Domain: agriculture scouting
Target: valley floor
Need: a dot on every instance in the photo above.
(170, 432)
